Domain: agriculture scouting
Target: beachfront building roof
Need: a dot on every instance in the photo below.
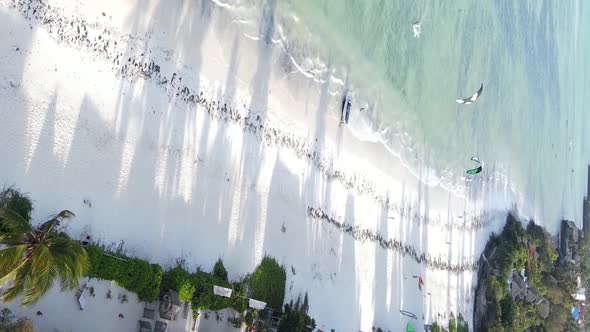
(169, 305)
(518, 287)
(520, 290)
(532, 296)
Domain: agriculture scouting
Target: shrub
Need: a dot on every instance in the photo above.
(496, 291)
(94, 258)
(295, 318)
(452, 323)
(267, 283)
(462, 325)
(219, 270)
(249, 319)
(12, 199)
(174, 278)
(180, 280)
(203, 297)
(134, 274)
(437, 328)
(186, 291)
(240, 303)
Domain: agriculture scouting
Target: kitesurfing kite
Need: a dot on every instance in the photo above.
(408, 313)
(471, 99)
(417, 29)
(476, 170)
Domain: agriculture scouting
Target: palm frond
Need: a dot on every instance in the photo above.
(71, 261)
(48, 226)
(21, 278)
(43, 269)
(13, 292)
(65, 214)
(10, 258)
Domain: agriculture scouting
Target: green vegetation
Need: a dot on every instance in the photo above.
(496, 291)
(219, 270)
(531, 250)
(204, 299)
(34, 257)
(455, 325)
(180, 280)
(134, 274)
(295, 317)
(12, 199)
(249, 319)
(267, 283)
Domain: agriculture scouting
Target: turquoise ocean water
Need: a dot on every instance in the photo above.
(530, 125)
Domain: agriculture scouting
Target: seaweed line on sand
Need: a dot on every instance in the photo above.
(406, 250)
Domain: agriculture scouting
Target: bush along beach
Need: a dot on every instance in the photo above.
(134, 274)
(455, 325)
(267, 282)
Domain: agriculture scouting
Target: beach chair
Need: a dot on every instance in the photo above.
(149, 313)
(81, 299)
(161, 326)
(144, 326)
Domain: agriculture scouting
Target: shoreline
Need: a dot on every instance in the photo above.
(132, 68)
(146, 150)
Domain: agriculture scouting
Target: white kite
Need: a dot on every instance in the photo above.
(417, 29)
(471, 99)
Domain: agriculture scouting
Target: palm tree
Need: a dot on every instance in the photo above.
(32, 258)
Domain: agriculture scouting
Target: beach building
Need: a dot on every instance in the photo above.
(520, 290)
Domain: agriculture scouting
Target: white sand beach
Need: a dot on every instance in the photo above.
(101, 101)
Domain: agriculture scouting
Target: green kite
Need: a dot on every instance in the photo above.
(476, 170)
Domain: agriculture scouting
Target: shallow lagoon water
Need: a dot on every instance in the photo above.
(529, 125)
